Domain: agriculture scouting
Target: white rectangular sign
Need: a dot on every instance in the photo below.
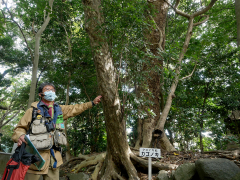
(150, 152)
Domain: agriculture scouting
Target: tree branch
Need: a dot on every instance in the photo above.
(40, 75)
(204, 10)
(46, 21)
(33, 31)
(176, 4)
(3, 14)
(4, 107)
(5, 115)
(201, 22)
(178, 11)
(189, 74)
(160, 33)
(85, 90)
(182, 13)
(68, 41)
(11, 118)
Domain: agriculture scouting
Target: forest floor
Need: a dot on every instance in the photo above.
(176, 158)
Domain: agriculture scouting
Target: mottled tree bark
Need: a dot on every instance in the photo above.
(155, 37)
(118, 152)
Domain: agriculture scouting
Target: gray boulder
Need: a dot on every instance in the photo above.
(78, 176)
(185, 172)
(163, 175)
(236, 177)
(216, 169)
(62, 178)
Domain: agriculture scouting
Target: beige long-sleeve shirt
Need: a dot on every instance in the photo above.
(23, 126)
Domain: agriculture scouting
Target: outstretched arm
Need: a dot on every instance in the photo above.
(74, 110)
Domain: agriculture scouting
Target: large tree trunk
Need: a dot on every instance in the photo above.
(191, 24)
(118, 152)
(36, 57)
(156, 40)
(237, 11)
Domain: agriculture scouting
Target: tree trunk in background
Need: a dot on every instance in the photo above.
(165, 144)
(139, 137)
(161, 122)
(36, 57)
(237, 11)
(155, 40)
(68, 155)
(171, 137)
(201, 121)
(201, 141)
(117, 159)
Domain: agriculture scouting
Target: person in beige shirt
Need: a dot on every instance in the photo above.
(47, 96)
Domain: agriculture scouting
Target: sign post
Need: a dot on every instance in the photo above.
(150, 152)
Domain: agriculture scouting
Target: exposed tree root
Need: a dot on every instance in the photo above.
(90, 161)
(107, 169)
(118, 176)
(111, 171)
(73, 159)
(96, 171)
(235, 154)
(91, 169)
(95, 163)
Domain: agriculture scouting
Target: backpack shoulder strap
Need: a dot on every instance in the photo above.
(34, 115)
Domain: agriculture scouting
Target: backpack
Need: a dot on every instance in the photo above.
(44, 133)
(18, 165)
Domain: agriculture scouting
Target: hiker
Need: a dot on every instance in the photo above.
(44, 124)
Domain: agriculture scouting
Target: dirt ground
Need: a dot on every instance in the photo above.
(176, 158)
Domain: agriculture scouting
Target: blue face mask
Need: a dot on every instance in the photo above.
(49, 95)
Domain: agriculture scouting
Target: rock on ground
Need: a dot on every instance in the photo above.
(78, 176)
(163, 175)
(185, 172)
(216, 169)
